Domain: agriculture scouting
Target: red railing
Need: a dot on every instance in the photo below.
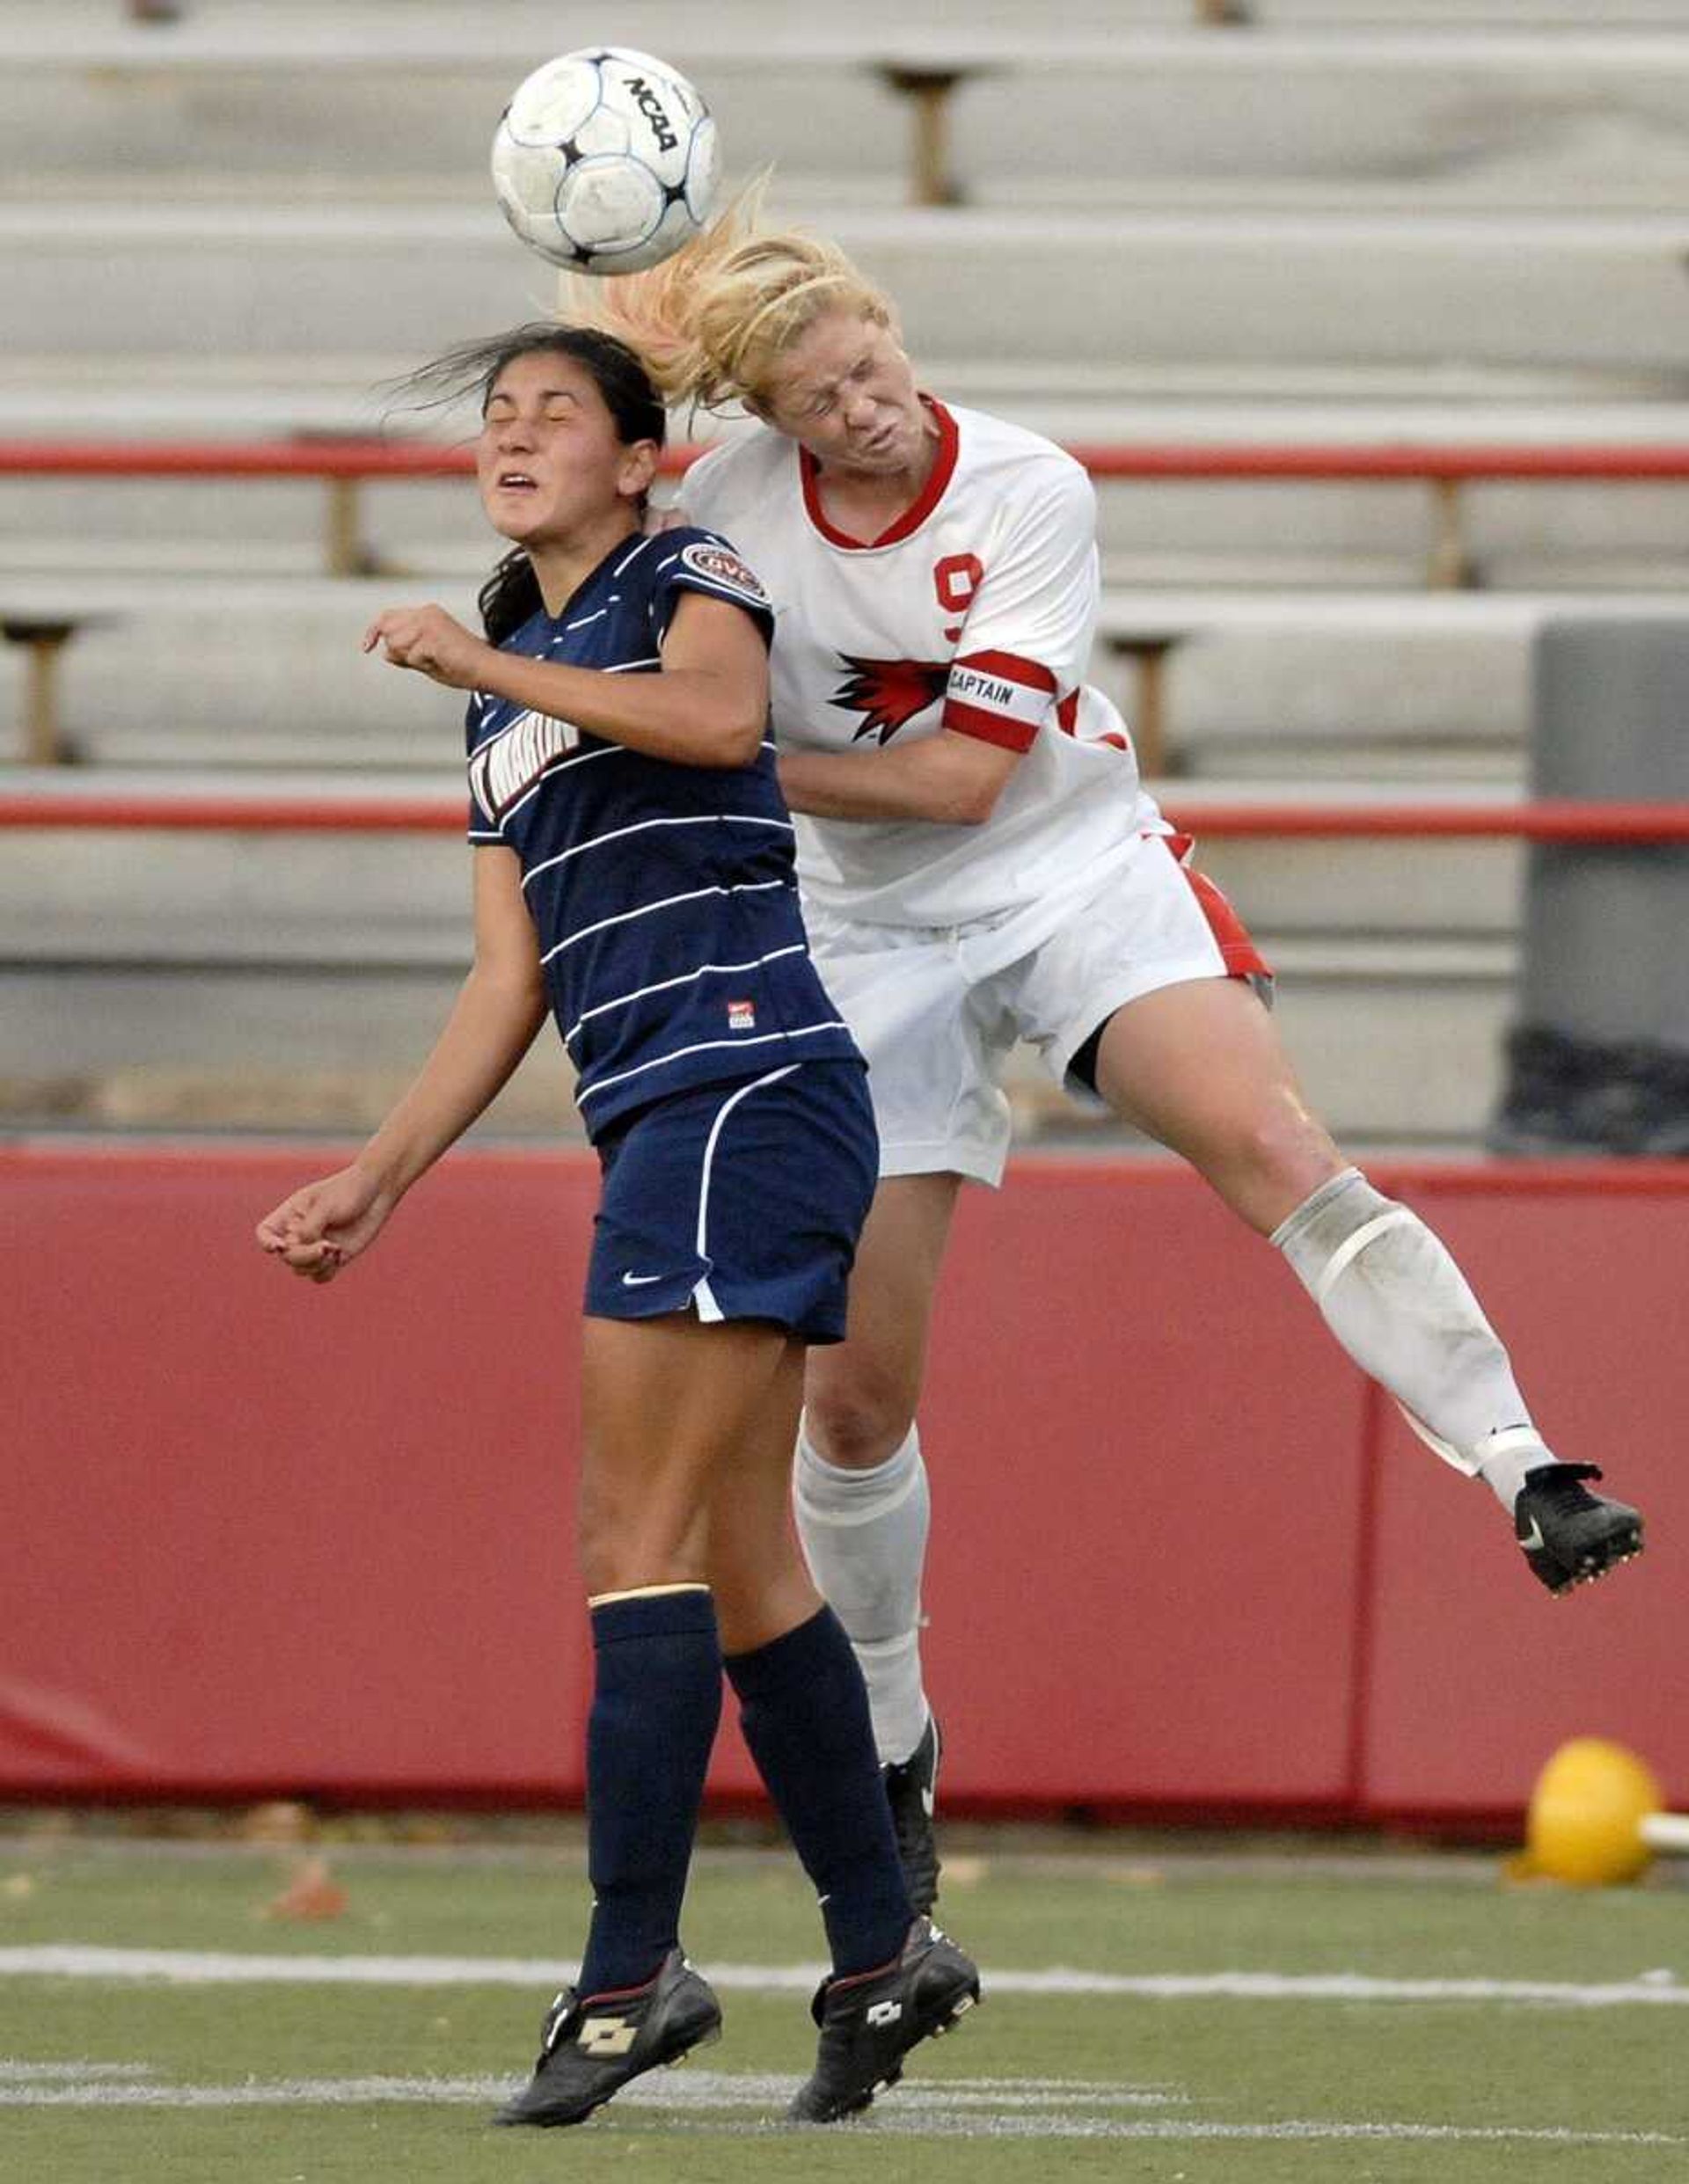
(1545, 821)
(334, 455)
(344, 463)
(1460, 464)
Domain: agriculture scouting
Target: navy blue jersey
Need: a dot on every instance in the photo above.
(664, 895)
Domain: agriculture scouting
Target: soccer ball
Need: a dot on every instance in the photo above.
(606, 160)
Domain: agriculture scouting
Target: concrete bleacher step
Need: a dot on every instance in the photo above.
(292, 981)
(1478, 15)
(231, 672)
(193, 668)
(1595, 294)
(225, 394)
(1461, 110)
(97, 30)
(1409, 1052)
(219, 894)
(1314, 894)
(287, 980)
(1395, 1040)
(1277, 673)
(817, 196)
(237, 671)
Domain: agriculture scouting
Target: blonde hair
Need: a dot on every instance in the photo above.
(710, 323)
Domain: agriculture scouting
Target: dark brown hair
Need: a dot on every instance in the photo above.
(511, 594)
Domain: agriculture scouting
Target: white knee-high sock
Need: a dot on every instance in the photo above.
(1396, 1301)
(864, 1535)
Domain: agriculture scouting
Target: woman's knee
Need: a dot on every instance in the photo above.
(623, 1542)
(1266, 1160)
(858, 1418)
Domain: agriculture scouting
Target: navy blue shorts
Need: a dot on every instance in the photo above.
(740, 1200)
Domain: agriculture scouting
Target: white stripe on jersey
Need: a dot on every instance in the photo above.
(707, 1046)
(619, 834)
(627, 560)
(686, 978)
(694, 894)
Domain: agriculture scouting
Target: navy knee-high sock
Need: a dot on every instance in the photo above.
(804, 1710)
(656, 1701)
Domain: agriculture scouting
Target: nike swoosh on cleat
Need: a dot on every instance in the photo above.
(1529, 1541)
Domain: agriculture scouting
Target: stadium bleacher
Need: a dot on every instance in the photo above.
(1367, 220)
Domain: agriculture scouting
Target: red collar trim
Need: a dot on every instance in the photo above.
(914, 516)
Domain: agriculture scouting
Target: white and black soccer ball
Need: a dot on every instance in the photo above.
(606, 160)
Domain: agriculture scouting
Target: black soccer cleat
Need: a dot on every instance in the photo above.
(911, 1790)
(871, 2020)
(1571, 1537)
(590, 2048)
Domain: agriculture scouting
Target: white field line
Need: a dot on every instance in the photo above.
(714, 2101)
(228, 1967)
(116, 2086)
(13, 2073)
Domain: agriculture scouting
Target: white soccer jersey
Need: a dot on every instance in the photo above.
(975, 611)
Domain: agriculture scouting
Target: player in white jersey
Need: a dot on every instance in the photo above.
(980, 864)
(975, 611)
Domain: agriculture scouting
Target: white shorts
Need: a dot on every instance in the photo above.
(936, 1009)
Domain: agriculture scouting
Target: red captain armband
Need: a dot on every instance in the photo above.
(999, 697)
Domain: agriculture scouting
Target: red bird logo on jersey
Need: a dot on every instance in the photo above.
(889, 693)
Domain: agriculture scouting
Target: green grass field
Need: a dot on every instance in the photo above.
(1154, 2011)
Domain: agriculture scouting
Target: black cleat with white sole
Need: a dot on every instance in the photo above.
(871, 2020)
(911, 1791)
(1571, 1537)
(592, 2046)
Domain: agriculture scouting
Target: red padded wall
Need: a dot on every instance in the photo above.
(263, 1536)
(264, 1533)
(1144, 1484)
(1585, 1274)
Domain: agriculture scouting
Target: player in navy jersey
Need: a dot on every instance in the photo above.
(634, 878)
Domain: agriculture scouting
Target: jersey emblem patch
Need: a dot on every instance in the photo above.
(704, 557)
(889, 693)
(508, 764)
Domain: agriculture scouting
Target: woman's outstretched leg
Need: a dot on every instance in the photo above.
(1200, 1065)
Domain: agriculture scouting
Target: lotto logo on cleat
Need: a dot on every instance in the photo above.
(879, 2014)
(607, 2035)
